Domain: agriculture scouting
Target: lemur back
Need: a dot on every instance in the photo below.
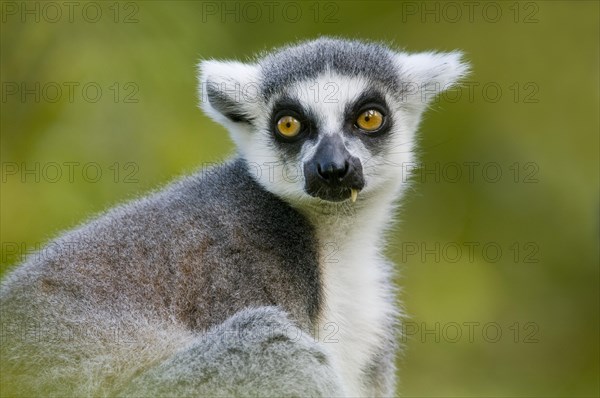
(241, 280)
(189, 257)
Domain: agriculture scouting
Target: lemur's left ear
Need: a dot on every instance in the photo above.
(228, 90)
(425, 75)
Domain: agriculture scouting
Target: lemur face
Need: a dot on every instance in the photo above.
(327, 119)
(336, 129)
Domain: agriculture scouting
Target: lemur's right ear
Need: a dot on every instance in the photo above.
(228, 90)
(427, 74)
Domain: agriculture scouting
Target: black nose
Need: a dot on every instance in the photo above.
(333, 171)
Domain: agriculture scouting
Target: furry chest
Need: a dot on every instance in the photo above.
(355, 311)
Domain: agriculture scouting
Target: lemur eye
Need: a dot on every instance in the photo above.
(370, 120)
(288, 126)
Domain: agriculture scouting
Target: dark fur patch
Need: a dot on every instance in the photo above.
(308, 59)
(263, 252)
(225, 104)
(376, 142)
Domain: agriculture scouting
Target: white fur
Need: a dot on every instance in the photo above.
(350, 236)
(355, 274)
(315, 94)
(239, 81)
(427, 74)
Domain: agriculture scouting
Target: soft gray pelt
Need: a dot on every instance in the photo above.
(216, 284)
(159, 285)
(257, 352)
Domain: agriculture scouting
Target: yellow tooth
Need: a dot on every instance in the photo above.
(353, 194)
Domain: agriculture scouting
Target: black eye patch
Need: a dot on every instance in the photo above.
(287, 106)
(375, 141)
(368, 100)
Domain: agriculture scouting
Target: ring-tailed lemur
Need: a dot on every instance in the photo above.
(262, 276)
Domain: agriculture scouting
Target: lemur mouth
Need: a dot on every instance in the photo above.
(335, 194)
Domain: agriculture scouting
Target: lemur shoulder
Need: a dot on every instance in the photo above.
(261, 276)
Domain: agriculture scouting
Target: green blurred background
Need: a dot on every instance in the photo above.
(530, 110)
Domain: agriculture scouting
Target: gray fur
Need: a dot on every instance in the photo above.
(233, 358)
(185, 259)
(306, 60)
(218, 284)
(221, 101)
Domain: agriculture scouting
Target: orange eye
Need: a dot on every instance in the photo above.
(370, 120)
(288, 126)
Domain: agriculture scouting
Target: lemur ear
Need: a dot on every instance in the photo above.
(425, 75)
(228, 90)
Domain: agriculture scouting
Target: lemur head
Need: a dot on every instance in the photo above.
(326, 119)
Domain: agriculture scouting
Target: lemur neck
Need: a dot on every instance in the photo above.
(368, 216)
